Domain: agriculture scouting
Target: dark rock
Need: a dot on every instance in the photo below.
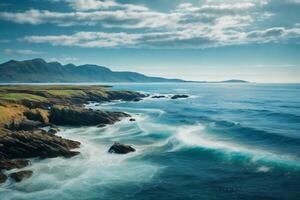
(19, 176)
(37, 115)
(25, 125)
(158, 96)
(83, 117)
(120, 148)
(30, 144)
(137, 99)
(101, 125)
(178, 96)
(125, 96)
(6, 164)
(36, 104)
(132, 120)
(53, 131)
(3, 178)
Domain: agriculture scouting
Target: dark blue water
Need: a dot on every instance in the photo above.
(227, 141)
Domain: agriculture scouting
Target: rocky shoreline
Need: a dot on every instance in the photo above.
(24, 110)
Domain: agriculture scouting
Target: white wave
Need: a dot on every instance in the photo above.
(94, 167)
(263, 169)
(196, 136)
(95, 105)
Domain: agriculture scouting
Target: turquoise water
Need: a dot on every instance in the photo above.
(227, 141)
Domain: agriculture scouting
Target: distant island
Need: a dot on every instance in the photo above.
(39, 71)
(234, 81)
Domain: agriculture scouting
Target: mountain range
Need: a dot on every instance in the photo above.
(39, 71)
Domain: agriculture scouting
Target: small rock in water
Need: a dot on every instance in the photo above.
(158, 96)
(120, 148)
(132, 120)
(3, 178)
(178, 96)
(53, 131)
(19, 176)
(137, 99)
(101, 125)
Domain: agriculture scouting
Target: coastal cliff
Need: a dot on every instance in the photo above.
(25, 110)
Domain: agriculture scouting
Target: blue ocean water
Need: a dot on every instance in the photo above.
(226, 141)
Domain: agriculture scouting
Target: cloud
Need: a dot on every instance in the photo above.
(228, 6)
(110, 14)
(276, 66)
(274, 34)
(102, 5)
(224, 32)
(211, 24)
(22, 51)
(121, 18)
(63, 59)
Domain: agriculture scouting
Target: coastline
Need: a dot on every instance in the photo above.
(25, 110)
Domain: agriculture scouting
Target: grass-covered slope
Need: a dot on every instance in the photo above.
(17, 102)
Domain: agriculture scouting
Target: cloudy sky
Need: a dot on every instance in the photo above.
(255, 40)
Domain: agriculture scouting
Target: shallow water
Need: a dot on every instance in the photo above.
(227, 141)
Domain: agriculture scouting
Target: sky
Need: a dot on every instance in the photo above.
(204, 40)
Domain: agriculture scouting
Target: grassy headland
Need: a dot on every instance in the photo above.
(25, 109)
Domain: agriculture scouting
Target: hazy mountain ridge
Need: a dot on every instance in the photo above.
(38, 70)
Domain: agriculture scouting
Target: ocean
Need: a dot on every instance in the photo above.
(224, 142)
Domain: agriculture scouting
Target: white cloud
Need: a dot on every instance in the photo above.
(111, 14)
(102, 5)
(119, 18)
(87, 39)
(273, 34)
(275, 66)
(194, 37)
(214, 23)
(91, 4)
(22, 51)
(228, 6)
(63, 59)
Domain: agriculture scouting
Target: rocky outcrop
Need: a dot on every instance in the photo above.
(21, 175)
(25, 144)
(137, 99)
(158, 96)
(125, 95)
(119, 148)
(37, 115)
(16, 146)
(53, 131)
(34, 107)
(6, 164)
(179, 96)
(83, 117)
(24, 125)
